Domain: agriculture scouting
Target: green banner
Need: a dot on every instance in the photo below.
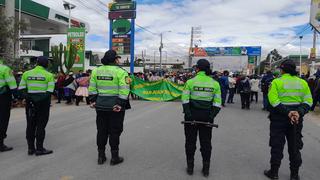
(77, 36)
(163, 90)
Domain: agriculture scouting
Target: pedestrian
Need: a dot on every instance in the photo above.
(232, 88)
(265, 85)
(69, 88)
(254, 83)
(82, 90)
(59, 86)
(109, 90)
(37, 86)
(201, 100)
(316, 92)
(224, 84)
(7, 85)
(290, 100)
(245, 92)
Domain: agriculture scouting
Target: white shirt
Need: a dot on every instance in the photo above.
(255, 85)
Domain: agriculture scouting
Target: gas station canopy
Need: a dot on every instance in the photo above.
(41, 20)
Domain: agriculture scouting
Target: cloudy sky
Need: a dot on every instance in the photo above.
(267, 23)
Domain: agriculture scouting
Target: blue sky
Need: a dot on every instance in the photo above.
(267, 23)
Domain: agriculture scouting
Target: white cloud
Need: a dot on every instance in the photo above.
(269, 23)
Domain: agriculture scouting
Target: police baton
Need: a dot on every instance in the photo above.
(200, 123)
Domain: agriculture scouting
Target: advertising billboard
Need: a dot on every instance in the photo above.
(228, 51)
(315, 14)
(77, 36)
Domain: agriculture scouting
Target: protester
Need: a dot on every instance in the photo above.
(59, 86)
(316, 92)
(245, 91)
(265, 85)
(69, 88)
(232, 88)
(224, 84)
(254, 83)
(82, 90)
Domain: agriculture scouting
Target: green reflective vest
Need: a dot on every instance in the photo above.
(289, 90)
(111, 85)
(37, 80)
(202, 92)
(7, 79)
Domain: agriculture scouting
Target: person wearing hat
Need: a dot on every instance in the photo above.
(7, 85)
(37, 85)
(108, 93)
(201, 101)
(290, 99)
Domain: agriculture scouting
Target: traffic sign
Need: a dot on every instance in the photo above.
(123, 6)
(122, 15)
(121, 36)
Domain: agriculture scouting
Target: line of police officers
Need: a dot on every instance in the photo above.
(289, 96)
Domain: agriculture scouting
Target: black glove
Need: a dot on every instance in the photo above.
(187, 112)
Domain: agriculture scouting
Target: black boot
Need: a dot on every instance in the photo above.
(294, 175)
(43, 151)
(115, 158)
(101, 157)
(190, 166)
(31, 148)
(205, 169)
(4, 148)
(272, 173)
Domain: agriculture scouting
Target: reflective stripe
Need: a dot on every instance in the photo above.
(33, 91)
(108, 95)
(275, 104)
(186, 92)
(307, 96)
(93, 93)
(290, 103)
(2, 81)
(93, 84)
(185, 101)
(22, 87)
(124, 87)
(291, 94)
(216, 105)
(51, 83)
(108, 87)
(123, 97)
(113, 87)
(202, 94)
(37, 85)
(11, 79)
(217, 96)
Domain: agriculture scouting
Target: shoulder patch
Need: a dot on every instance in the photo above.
(128, 80)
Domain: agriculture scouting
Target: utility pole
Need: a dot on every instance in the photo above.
(191, 48)
(314, 52)
(10, 13)
(154, 60)
(301, 55)
(160, 50)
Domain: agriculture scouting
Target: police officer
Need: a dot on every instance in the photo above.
(291, 99)
(201, 100)
(7, 84)
(109, 90)
(37, 86)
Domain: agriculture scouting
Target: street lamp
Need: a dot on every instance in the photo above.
(160, 48)
(19, 33)
(69, 6)
(301, 37)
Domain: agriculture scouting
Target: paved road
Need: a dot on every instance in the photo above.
(152, 145)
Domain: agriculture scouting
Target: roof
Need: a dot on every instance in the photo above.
(43, 20)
